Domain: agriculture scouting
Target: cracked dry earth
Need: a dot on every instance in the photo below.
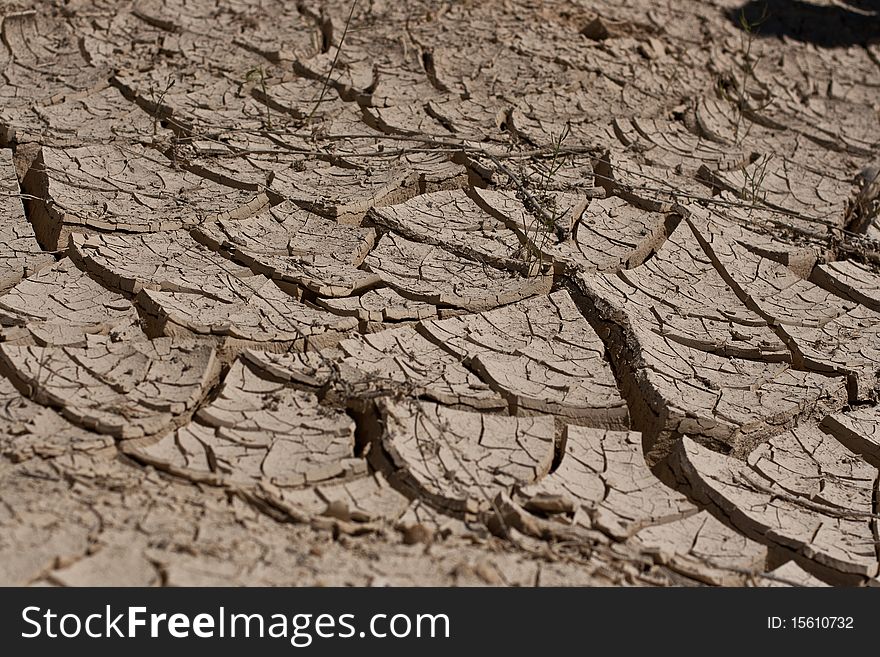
(510, 293)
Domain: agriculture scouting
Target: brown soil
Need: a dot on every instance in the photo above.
(517, 292)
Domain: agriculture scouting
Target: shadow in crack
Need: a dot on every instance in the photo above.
(845, 23)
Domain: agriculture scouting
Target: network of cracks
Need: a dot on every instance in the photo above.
(521, 293)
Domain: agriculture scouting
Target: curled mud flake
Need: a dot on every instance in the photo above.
(28, 429)
(122, 389)
(380, 305)
(763, 231)
(352, 76)
(169, 261)
(454, 222)
(781, 183)
(301, 99)
(261, 315)
(84, 119)
(105, 39)
(476, 65)
(460, 460)
(278, 37)
(716, 119)
(603, 482)
(553, 366)
(406, 119)
(42, 65)
(228, 41)
(607, 25)
(434, 275)
(832, 123)
(825, 332)
(436, 171)
(681, 296)
(185, 288)
(541, 119)
(479, 119)
(677, 388)
(256, 431)
(119, 187)
(823, 96)
(813, 465)
(779, 499)
(850, 280)
(62, 305)
(772, 289)
(848, 344)
(652, 188)
(342, 193)
(392, 362)
(20, 254)
(543, 232)
(406, 86)
(604, 485)
(859, 430)
(286, 230)
(224, 125)
(313, 369)
(422, 523)
(602, 235)
(701, 547)
(671, 146)
(403, 359)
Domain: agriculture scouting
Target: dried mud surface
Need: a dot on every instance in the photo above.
(517, 293)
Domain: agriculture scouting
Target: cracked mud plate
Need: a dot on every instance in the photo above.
(482, 293)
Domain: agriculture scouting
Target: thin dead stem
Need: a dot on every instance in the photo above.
(326, 84)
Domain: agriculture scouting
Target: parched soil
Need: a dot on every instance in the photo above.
(367, 292)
